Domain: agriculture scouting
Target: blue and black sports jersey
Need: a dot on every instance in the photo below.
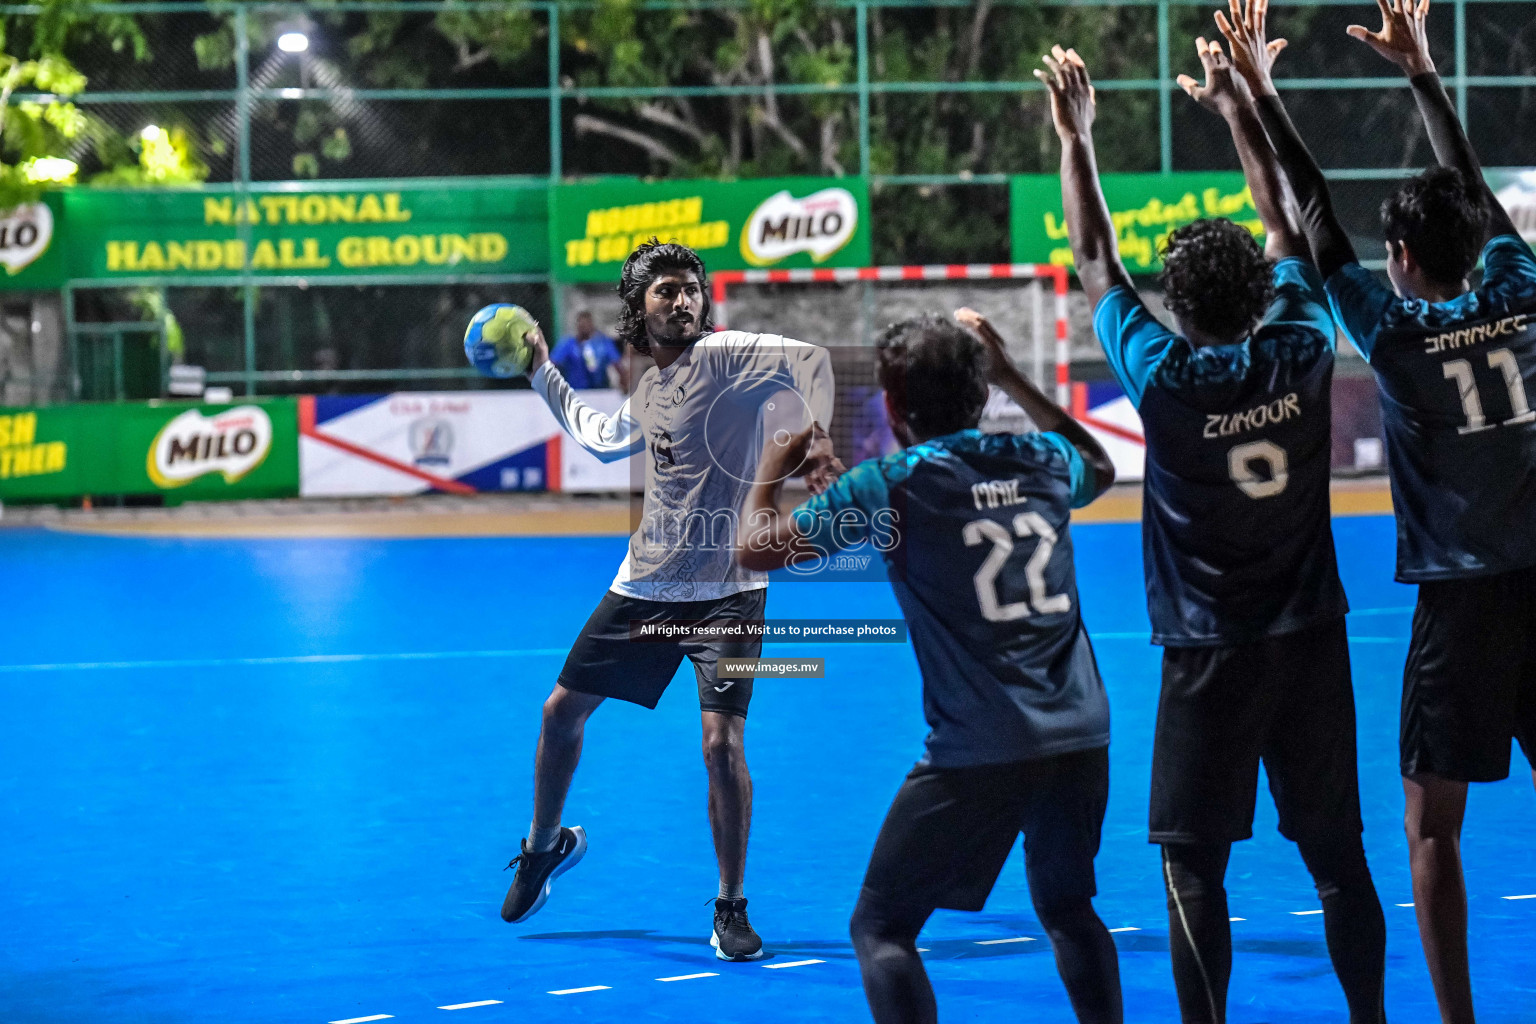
(1456, 380)
(1236, 537)
(973, 528)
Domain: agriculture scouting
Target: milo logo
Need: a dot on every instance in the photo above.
(233, 443)
(24, 235)
(820, 224)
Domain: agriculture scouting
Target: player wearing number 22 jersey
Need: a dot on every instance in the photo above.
(974, 532)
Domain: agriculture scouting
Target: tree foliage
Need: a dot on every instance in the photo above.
(43, 140)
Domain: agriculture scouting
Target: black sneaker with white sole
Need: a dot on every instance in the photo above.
(536, 872)
(733, 937)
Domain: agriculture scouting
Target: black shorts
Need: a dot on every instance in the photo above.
(605, 662)
(949, 831)
(1469, 684)
(1286, 700)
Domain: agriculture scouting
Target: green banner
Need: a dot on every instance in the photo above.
(181, 450)
(737, 225)
(336, 230)
(1146, 208)
(29, 250)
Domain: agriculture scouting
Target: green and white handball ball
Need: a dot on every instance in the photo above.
(495, 341)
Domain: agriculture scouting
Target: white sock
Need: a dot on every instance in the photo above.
(542, 840)
(731, 892)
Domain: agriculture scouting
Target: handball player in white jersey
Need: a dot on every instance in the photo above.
(703, 412)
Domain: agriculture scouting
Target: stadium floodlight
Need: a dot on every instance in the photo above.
(293, 42)
(150, 132)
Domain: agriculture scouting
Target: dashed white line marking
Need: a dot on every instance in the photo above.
(1527, 896)
(1126, 929)
(1405, 904)
(469, 1006)
(364, 1020)
(573, 991)
(289, 659)
(999, 942)
(793, 963)
(924, 949)
(1304, 913)
(690, 977)
(1237, 919)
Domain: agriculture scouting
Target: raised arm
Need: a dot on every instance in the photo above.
(757, 366)
(1046, 414)
(1226, 93)
(1403, 39)
(1253, 55)
(610, 438)
(769, 539)
(1095, 252)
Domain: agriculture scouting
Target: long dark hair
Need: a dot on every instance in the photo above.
(645, 264)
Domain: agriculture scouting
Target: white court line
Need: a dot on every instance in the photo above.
(573, 991)
(1126, 929)
(1305, 913)
(999, 942)
(468, 1006)
(793, 963)
(1527, 896)
(690, 977)
(1394, 610)
(1405, 904)
(1237, 919)
(293, 659)
(364, 1020)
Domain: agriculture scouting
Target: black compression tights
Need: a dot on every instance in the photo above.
(897, 987)
(1200, 935)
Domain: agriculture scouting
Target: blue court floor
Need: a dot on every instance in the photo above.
(276, 781)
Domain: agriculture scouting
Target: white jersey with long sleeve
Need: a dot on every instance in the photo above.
(702, 418)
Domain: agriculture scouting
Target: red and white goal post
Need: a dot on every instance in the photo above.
(1038, 273)
(1116, 423)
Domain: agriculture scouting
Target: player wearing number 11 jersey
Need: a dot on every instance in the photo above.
(1242, 586)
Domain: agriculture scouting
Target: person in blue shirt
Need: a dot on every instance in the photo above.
(974, 532)
(1242, 586)
(586, 358)
(1455, 366)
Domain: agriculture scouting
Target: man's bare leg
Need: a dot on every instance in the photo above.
(554, 764)
(730, 795)
(1435, 808)
(550, 850)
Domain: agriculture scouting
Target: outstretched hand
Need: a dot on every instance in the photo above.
(1404, 36)
(808, 454)
(1072, 98)
(534, 336)
(1253, 54)
(1224, 90)
(997, 351)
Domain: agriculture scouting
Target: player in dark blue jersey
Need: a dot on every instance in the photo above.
(973, 529)
(1242, 586)
(1455, 366)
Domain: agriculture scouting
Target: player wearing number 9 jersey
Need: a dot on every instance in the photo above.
(1242, 586)
(974, 532)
